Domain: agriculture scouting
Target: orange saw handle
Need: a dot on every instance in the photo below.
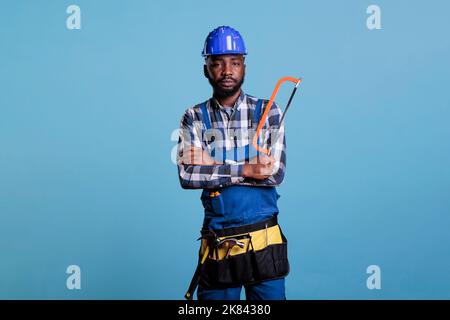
(267, 109)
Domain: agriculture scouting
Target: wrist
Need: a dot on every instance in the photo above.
(245, 170)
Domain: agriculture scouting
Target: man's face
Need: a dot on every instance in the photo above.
(225, 74)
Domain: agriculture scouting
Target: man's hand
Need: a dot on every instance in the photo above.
(197, 157)
(260, 170)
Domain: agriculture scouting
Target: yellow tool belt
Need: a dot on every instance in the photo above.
(243, 255)
(256, 240)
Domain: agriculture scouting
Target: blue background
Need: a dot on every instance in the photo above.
(86, 118)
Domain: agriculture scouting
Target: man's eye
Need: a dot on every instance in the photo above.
(236, 64)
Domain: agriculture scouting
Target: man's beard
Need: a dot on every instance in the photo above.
(222, 93)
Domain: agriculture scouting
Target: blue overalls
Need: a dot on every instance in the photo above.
(236, 206)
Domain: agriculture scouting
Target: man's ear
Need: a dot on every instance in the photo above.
(205, 71)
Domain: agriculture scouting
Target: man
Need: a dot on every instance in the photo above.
(242, 244)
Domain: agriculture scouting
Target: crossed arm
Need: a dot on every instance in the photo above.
(197, 170)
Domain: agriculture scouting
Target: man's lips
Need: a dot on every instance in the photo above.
(227, 82)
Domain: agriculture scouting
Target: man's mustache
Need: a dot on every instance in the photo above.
(227, 79)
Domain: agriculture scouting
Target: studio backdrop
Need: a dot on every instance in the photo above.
(91, 98)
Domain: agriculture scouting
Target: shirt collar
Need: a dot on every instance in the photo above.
(216, 104)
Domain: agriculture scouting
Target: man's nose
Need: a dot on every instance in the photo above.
(227, 69)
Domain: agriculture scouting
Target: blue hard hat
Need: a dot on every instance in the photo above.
(224, 40)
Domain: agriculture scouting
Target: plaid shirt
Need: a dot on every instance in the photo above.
(235, 132)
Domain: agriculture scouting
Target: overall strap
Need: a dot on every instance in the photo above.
(207, 122)
(257, 113)
(205, 115)
(257, 116)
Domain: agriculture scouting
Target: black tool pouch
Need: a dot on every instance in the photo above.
(251, 266)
